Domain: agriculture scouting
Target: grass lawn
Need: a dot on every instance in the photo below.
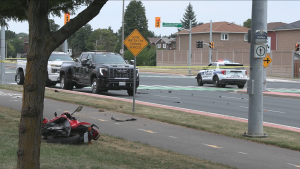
(278, 137)
(106, 153)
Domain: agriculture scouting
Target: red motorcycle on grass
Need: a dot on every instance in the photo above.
(66, 129)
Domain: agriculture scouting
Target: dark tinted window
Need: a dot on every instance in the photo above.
(231, 66)
(60, 57)
(109, 59)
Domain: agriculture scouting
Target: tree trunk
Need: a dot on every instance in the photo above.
(34, 87)
(41, 45)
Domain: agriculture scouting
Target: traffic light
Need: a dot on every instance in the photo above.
(211, 45)
(67, 17)
(157, 22)
(297, 47)
(199, 44)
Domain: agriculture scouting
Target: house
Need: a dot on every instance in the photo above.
(287, 36)
(164, 43)
(225, 35)
(272, 34)
(153, 41)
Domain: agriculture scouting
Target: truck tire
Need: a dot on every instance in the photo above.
(20, 78)
(74, 138)
(240, 86)
(95, 88)
(64, 83)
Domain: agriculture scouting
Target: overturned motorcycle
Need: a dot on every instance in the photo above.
(66, 129)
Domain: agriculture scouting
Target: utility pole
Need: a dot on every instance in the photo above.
(2, 59)
(190, 47)
(255, 83)
(122, 43)
(210, 39)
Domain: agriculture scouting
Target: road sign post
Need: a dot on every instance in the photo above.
(135, 42)
(267, 60)
(260, 51)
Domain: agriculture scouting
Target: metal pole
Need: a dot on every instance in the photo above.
(2, 65)
(255, 88)
(122, 45)
(210, 39)
(65, 46)
(134, 78)
(190, 47)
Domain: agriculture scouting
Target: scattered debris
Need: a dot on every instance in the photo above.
(101, 110)
(220, 96)
(170, 91)
(121, 107)
(177, 102)
(132, 119)
(242, 98)
(192, 94)
(228, 103)
(56, 91)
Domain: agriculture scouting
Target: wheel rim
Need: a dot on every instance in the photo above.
(94, 87)
(62, 83)
(18, 78)
(215, 82)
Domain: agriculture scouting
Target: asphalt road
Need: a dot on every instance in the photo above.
(183, 92)
(221, 149)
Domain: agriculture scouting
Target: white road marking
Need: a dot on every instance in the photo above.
(266, 110)
(243, 153)
(214, 146)
(172, 137)
(118, 123)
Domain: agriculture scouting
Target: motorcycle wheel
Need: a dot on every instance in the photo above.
(74, 138)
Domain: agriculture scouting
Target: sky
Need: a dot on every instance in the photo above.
(172, 11)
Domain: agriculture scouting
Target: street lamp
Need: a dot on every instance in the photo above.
(190, 42)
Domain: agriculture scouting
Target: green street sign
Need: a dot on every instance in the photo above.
(172, 24)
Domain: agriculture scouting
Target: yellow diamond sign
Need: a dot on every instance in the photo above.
(135, 42)
(267, 60)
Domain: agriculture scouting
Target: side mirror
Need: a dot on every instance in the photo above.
(79, 108)
(132, 62)
(76, 60)
(84, 62)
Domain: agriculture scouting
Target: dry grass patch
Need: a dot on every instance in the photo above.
(105, 153)
(278, 137)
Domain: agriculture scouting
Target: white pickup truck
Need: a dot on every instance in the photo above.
(54, 63)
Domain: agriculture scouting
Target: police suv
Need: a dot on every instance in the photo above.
(222, 73)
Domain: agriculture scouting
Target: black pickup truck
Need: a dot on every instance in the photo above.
(102, 71)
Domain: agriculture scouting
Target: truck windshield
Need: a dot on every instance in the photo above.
(60, 57)
(231, 66)
(109, 59)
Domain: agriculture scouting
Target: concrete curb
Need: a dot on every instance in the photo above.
(275, 94)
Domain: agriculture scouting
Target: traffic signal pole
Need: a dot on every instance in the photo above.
(210, 39)
(255, 83)
(190, 47)
(122, 43)
(2, 58)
